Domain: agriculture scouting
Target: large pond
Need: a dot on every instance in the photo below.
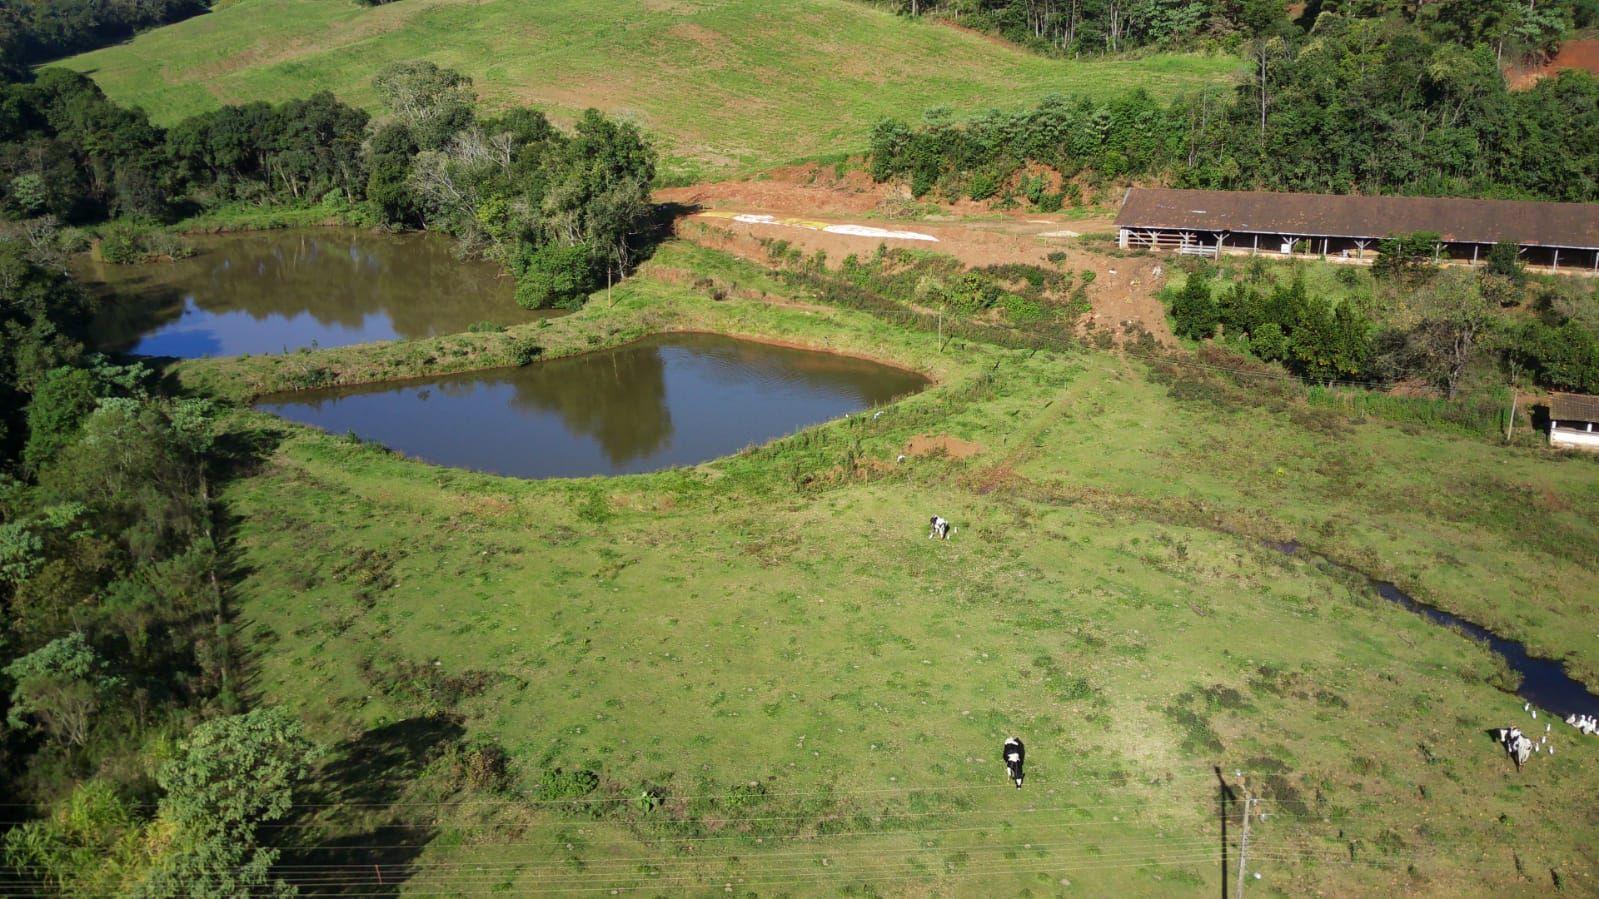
(665, 401)
(273, 291)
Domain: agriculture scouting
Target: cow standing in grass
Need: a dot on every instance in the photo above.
(1014, 753)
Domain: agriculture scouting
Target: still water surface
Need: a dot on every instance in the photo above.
(664, 401)
(272, 291)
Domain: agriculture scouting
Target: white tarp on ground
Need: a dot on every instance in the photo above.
(750, 218)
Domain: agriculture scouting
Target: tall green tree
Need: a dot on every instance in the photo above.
(230, 776)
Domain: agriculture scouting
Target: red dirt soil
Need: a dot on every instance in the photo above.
(1580, 54)
(1123, 289)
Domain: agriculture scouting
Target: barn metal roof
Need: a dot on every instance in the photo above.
(1572, 225)
(1573, 407)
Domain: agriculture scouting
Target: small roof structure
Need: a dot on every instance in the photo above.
(1573, 407)
(1562, 225)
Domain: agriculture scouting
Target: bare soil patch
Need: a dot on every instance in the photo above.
(1581, 54)
(941, 444)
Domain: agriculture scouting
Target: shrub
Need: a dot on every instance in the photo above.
(1193, 311)
(1504, 260)
(972, 293)
(1406, 256)
(1268, 342)
(485, 327)
(128, 245)
(554, 276)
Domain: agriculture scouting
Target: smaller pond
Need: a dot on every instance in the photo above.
(661, 402)
(272, 291)
(1544, 682)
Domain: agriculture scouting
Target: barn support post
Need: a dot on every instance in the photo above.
(1255, 251)
(1556, 266)
(1474, 255)
(1121, 239)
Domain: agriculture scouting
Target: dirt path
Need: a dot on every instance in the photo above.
(814, 210)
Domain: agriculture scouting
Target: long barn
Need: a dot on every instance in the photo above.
(1556, 236)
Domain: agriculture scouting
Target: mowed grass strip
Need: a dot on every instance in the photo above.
(729, 85)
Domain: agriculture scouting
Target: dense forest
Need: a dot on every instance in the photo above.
(559, 210)
(1358, 105)
(1509, 28)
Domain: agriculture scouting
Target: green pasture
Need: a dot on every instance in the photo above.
(727, 85)
(759, 676)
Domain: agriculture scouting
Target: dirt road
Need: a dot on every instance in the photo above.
(814, 210)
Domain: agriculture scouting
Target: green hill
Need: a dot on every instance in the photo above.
(727, 85)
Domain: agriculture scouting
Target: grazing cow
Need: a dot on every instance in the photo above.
(1517, 746)
(941, 529)
(1014, 753)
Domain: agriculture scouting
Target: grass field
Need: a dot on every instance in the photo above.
(758, 675)
(727, 85)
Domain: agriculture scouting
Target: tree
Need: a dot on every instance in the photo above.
(1504, 260)
(230, 776)
(1406, 257)
(1444, 341)
(432, 101)
(1194, 312)
(64, 398)
(60, 686)
(555, 276)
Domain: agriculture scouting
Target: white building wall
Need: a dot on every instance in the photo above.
(1568, 437)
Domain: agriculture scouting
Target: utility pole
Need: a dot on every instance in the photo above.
(1243, 844)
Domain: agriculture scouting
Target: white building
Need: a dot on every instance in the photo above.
(1574, 421)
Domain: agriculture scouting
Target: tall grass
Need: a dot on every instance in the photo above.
(1485, 414)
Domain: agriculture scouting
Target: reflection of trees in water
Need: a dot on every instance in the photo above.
(339, 276)
(737, 361)
(618, 398)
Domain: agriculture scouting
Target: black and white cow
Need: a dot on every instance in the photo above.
(1516, 744)
(1014, 753)
(941, 529)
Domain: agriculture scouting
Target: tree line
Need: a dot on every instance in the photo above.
(119, 685)
(118, 674)
(35, 31)
(1365, 105)
(560, 210)
(1408, 320)
(1513, 29)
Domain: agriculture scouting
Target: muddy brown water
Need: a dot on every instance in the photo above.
(661, 402)
(276, 291)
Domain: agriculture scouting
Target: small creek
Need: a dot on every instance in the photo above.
(1544, 683)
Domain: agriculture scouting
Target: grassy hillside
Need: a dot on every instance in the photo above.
(729, 85)
(780, 685)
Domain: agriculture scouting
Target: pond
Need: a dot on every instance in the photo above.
(274, 291)
(664, 401)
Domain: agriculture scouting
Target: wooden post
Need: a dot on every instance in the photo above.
(1511, 424)
(1243, 845)
(1556, 266)
(1474, 255)
(1255, 251)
